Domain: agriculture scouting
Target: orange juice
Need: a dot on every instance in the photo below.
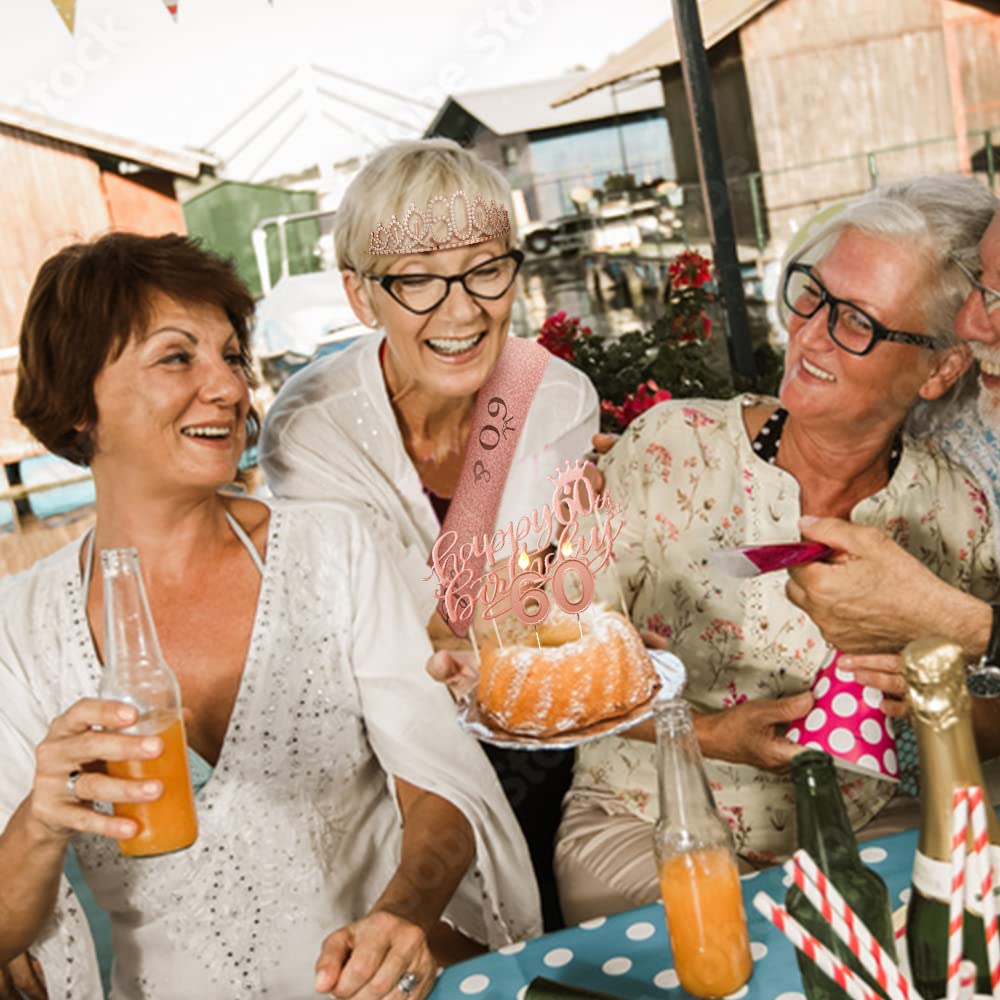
(706, 922)
(170, 822)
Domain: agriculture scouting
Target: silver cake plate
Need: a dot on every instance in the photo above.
(669, 671)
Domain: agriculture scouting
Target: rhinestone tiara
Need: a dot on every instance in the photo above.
(437, 228)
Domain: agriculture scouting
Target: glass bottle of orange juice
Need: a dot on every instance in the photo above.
(697, 866)
(135, 672)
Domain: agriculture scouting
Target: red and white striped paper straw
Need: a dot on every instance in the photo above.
(855, 987)
(966, 980)
(832, 906)
(984, 864)
(956, 908)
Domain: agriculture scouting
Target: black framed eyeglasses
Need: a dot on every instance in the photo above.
(849, 326)
(423, 293)
(990, 296)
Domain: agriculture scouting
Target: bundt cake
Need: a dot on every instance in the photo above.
(568, 683)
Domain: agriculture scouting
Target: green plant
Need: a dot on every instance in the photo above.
(619, 183)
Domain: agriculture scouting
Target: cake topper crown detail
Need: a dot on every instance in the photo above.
(438, 226)
(568, 476)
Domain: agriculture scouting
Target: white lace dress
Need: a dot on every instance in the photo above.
(299, 831)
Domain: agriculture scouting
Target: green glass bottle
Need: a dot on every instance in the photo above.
(825, 833)
(942, 720)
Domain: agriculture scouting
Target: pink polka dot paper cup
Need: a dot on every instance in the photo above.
(848, 723)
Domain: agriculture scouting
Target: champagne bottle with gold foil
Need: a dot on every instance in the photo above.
(941, 709)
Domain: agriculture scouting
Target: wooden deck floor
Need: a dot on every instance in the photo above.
(37, 539)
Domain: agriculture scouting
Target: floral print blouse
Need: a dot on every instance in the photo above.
(689, 481)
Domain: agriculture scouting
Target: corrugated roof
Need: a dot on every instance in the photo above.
(186, 163)
(528, 107)
(719, 18)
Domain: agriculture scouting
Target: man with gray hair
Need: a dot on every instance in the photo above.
(972, 435)
(873, 597)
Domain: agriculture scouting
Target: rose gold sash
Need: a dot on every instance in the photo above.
(498, 418)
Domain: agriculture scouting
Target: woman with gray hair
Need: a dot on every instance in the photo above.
(443, 422)
(869, 302)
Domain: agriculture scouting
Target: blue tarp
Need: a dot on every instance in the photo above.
(60, 499)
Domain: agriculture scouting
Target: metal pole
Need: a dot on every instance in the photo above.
(872, 170)
(758, 216)
(618, 129)
(698, 86)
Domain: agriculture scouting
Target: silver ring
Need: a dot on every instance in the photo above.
(71, 783)
(407, 983)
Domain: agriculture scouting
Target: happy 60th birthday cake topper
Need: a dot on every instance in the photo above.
(561, 547)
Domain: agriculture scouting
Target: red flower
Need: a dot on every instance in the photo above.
(690, 327)
(558, 334)
(690, 270)
(560, 348)
(646, 395)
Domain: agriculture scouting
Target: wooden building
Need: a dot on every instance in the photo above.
(222, 214)
(817, 100)
(546, 152)
(61, 183)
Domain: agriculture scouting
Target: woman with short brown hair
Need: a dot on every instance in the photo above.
(100, 294)
(341, 812)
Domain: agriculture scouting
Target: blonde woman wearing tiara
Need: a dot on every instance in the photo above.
(415, 425)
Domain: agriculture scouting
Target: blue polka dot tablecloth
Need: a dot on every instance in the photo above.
(628, 955)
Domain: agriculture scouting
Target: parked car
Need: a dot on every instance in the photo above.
(303, 317)
(616, 226)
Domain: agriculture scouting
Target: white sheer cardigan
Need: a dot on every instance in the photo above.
(332, 434)
(299, 828)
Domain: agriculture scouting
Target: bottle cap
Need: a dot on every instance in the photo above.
(934, 670)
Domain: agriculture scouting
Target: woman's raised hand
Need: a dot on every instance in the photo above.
(603, 443)
(456, 669)
(367, 960)
(67, 774)
(748, 733)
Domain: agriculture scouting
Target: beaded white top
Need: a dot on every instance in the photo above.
(298, 827)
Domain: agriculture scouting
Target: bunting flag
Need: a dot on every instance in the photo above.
(67, 11)
(172, 6)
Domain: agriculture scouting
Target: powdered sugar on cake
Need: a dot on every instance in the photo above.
(564, 685)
